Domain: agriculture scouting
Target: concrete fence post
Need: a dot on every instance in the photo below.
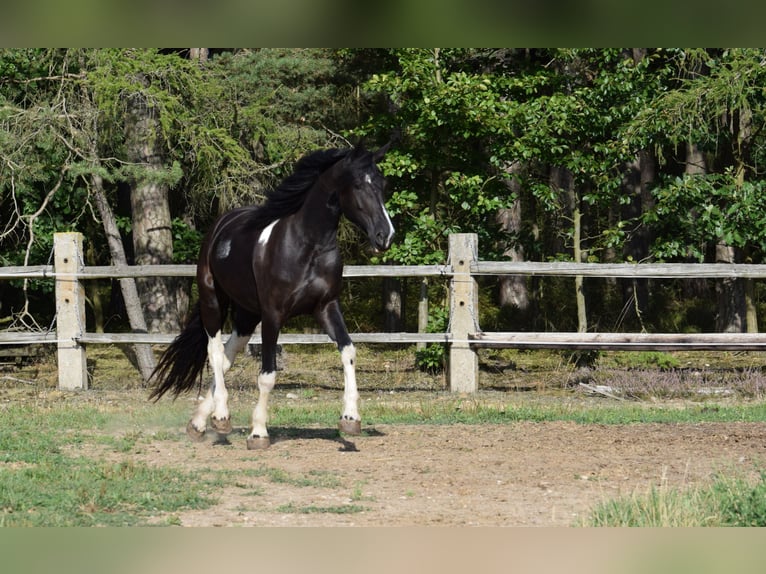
(70, 311)
(464, 307)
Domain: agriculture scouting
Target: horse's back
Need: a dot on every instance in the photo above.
(226, 257)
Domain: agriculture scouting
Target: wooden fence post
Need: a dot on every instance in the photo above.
(463, 362)
(70, 311)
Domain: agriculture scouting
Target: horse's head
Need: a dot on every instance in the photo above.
(362, 200)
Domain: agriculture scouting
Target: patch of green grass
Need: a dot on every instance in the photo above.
(41, 485)
(726, 502)
(645, 359)
(445, 409)
(314, 478)
(292, 508)
(69, 491)
(740, 502)
(357, 495)
(476, 412)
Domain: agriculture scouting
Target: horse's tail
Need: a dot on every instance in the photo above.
(181, 365)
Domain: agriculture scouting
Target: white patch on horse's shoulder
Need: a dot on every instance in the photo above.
(367, 179)
(263, 238)
(223, 249)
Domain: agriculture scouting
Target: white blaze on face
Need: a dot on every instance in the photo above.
(390, 225)
(263, 238)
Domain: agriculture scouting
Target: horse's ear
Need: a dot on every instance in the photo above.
(358, 150)
(378, 154)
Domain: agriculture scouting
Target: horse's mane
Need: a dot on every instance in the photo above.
(288, 196)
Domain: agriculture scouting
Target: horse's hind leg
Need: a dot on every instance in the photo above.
(220, 356)
(220, 419)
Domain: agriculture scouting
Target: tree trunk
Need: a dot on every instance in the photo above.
(582, 314)
(423, 311)
(640, 176)
(393, 305)
(152, 233)
(94, 292)
(199, 54)
(731, 295)
(695, 164)
(513, 290)
(636, 185)
(734, 297)
(144, 357)
(562, 179)
(744, 135)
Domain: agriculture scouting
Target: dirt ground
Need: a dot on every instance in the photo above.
(516, 474)
(522, 474)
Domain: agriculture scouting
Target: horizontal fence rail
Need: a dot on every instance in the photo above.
(623, 341)
(463, 340)
(622, 270)
(530, 268)
(284, 338)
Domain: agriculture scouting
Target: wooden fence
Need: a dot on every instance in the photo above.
(463, 337)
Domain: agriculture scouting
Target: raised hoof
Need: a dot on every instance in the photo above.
(348, 426)
(221, 426)
(258, 443)
(194, 434)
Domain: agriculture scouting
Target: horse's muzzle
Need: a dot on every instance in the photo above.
(381, 242)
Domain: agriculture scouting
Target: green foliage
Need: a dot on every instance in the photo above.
(432, 359)
(693, 210)
(475, 130)
(186, 242)
(441, 171)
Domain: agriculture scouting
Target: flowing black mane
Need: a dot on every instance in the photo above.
(288, 197)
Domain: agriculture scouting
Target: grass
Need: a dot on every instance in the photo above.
(292, 508)
(41, 484)
(314, 478)
(487, 409)
(45, 480)
(727, 501)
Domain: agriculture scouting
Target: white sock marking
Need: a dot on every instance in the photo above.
(261, 412)
(221, 358)
(350, 392)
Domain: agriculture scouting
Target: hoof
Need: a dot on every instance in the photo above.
(348, 426)
(221, 426)
(194, 434)
(258, 443)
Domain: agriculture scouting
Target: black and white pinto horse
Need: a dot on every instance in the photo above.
(268, 263)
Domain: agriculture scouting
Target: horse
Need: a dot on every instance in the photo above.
(266, 264)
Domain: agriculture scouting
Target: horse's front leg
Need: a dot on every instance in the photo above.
(259, 435)
(331, 319)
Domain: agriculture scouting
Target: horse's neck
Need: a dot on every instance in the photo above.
(319, 216)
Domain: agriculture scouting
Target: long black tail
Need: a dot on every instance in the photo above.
(181, 365)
